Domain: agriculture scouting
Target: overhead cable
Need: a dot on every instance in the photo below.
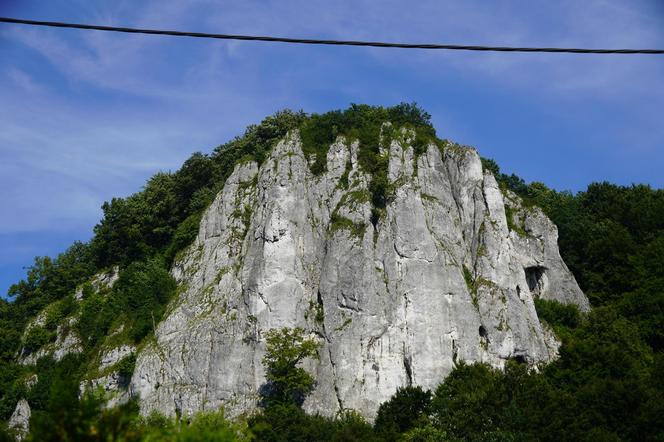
(313, 41)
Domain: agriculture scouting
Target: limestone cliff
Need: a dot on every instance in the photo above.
(442, 276)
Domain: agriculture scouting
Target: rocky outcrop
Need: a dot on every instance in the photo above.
(440, 277)
(19, 422)
(108, 377)
(100, 282)
(113, 385)
(67, 340)
(114, 355)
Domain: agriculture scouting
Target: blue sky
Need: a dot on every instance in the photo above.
(85, 116)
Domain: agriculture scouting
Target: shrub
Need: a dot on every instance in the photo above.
(126, 366)
(286, 382)
(557, 314)
(468, 402)
(36, 338)
(407, 408)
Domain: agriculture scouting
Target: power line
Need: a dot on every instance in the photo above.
(310, 41)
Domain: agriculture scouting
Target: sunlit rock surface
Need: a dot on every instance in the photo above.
(439, 278)
(19, 422)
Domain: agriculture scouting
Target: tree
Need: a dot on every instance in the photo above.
(286, 382)
(469, 401)
(408, 408)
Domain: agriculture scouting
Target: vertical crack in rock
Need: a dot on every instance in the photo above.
(209, 370)
(455, 197)
(407, 365)
(334, 380)
(319, 299)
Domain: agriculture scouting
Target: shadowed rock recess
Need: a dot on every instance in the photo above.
(395, 300)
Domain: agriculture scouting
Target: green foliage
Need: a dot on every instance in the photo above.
(126, 365)
(52, 279)
(13, 387)
(358, 122)
(491, 166)
(57, 387)
(69, 419)
(364, 123)
(66, 418)
(607, 346)
(409, 407)
(48, 280)
(338, 222)
(288, 422)
(558, 314)
(142, 293)
(468, 401)
(184, 235)
(6, 435)
(470, 280)
(427, 433)
(472, 284)
(139, 297)
(511, 224)
(95, 320)
(209, 426)
(257, 140)
(286, 382)
(36, 338)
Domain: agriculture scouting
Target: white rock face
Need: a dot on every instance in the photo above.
(114, 355)
(66, 342)
(113, 385)
(103, 280)
(20, 419)
(111, 382)
(440, 278)
(31, 381)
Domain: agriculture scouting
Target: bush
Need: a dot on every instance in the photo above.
(468, 401)
(142, 293)
(558, 314)
(212, 427)
(126, 366)
(288, 422)
(184, 235)
(286, 382)
(139, 297)
(409, 407)
(36, 338)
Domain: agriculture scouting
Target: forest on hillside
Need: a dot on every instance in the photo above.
(608, 383)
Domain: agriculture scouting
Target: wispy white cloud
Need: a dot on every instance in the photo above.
(23, 81)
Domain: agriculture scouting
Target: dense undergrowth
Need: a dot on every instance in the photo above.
(607, 385)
